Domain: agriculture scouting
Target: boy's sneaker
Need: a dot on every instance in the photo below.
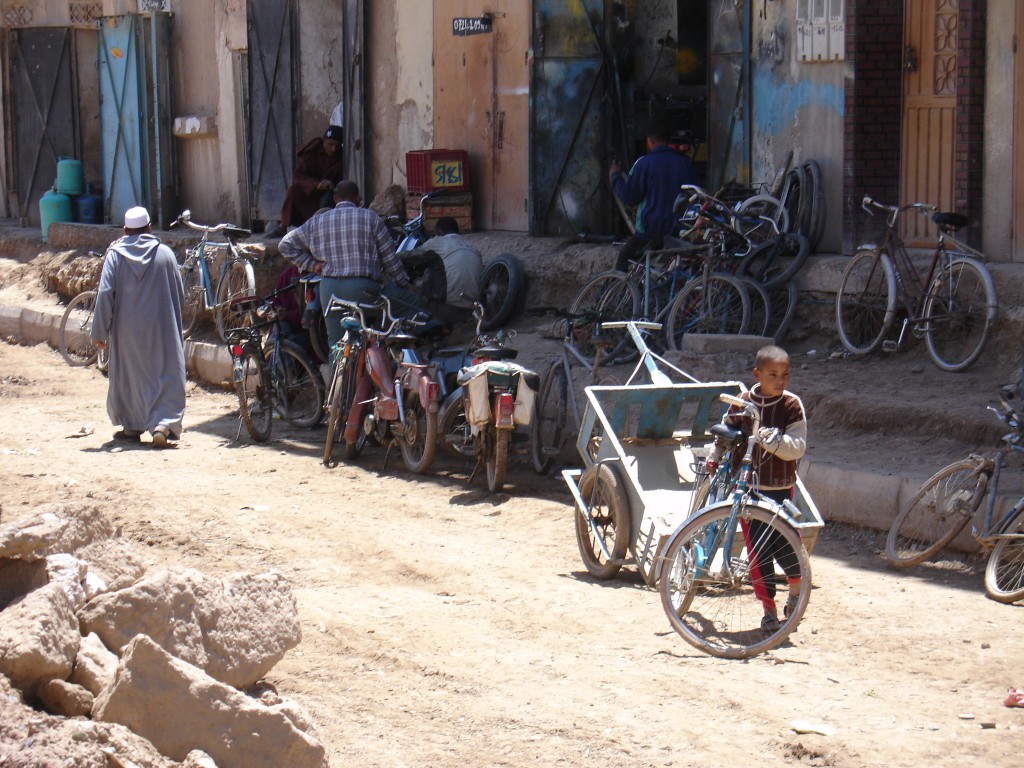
(770, 624)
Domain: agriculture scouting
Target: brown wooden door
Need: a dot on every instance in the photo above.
(929, 110)
(1017, 235)
(481, 102)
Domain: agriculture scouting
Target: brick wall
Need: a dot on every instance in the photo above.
(968, 159)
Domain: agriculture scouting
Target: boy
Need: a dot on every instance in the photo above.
(781, 441)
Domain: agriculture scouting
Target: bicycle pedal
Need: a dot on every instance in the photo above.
(890, 346)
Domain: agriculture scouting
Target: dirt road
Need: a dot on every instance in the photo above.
(444, 626)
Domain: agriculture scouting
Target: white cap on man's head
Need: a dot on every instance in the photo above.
(136, 218)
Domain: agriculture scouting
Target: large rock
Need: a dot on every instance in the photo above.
(236, 628)
(95, 665)
(179, 708)
(60, 697)
(19, 577)
(113, 564)
(57, 527)
(68, 572)
(39, 638)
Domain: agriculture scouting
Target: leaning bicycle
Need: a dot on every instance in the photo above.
(272, 376)
(951, 303)
(203, 291)
(952, 497)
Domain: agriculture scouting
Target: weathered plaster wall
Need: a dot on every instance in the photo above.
(322, 66)
(999, 101)
(798, 108)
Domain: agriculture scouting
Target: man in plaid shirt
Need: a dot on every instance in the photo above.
(352, 250)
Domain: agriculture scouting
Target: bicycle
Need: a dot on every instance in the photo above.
(712, 588)
(74, 342)
(235, 276)
(952, 304)
(271, 377)
(951, 497)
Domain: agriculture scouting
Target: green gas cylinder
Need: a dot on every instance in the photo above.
(69, 176)
(54, 206)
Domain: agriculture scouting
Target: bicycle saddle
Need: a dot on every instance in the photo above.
(727, 433)
(351, 323)
(402, 340)
(950, 222)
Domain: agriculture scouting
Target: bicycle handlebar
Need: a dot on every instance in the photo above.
(229, 230)
(894, 210)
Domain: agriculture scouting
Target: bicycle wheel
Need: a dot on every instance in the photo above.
(496, 443)
(193, 292)
(253, 400)
(605, 297)
(783, 299)
(717, 304)
(816, 217)
(937, 512)
(1004, 572)
(502, 284)
(75, 325)
(960, 310)
(299, 390)
(760, 307)
(418, 441)
(776, 261)
(605, 496)
(866, 301)
(551, 420)
(751, 212)
(337, 406)
(238, 281)
(716, 600)
(453, 427)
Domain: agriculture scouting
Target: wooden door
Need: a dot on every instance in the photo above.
(929, 110)
(1017, 234)
(481, 102)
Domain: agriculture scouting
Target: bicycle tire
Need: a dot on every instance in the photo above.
(550, 422)
(318, 337)
(603, 491)
(718, 304)
(866, 301)
(453, 428)
(496, 443)
(193, 292)
(776, 261)
(960, 310)
(753, 208)
(239, 280)
(607, 296)
(783, 299)
(75, 345)
(760, 307)
(337, 408)
(1004, 571)
(502, 285)
(792, 194)
(301, 394)
(254, 402)
(936, 513)
(816, 215)
(717, 612)
(418, 441)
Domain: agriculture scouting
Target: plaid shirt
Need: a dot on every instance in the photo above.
(350, 241)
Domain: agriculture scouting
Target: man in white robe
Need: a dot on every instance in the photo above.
(138, 318)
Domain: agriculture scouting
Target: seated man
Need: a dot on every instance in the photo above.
(319, 168)
(463, 266)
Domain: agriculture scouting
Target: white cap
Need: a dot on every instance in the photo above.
(136, 218)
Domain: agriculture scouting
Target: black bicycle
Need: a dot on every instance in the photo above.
(272, 375)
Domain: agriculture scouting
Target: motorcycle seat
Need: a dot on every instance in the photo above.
(495, 352)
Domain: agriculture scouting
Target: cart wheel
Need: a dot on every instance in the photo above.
(606, 500)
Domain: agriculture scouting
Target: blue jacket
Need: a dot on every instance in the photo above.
(653, 184)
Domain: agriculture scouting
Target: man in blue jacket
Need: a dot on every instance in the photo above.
(652, 185)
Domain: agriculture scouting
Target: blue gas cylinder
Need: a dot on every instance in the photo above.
(69, 176)
(54, 206)
(90, 207)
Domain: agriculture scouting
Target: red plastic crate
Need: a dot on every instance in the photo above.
(431, 170)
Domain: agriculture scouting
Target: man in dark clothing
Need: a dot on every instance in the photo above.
(652, 185)
(319, 168)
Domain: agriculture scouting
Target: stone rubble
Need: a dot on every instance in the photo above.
(103, 663)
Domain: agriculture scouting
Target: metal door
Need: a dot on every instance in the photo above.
(273, 104)
(929, 110)
(729, 102)
(481, 102)
(45, 122)
(352, 98)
